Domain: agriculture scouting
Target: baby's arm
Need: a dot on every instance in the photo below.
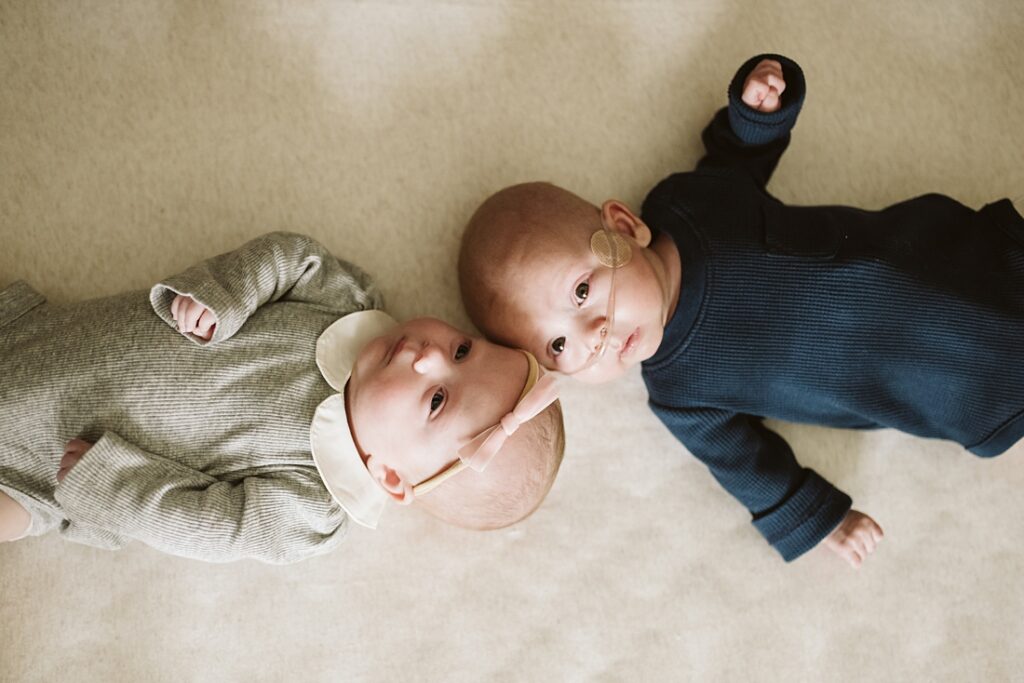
(751, 134)
(793, 507)
(278, 517)
(272, 267)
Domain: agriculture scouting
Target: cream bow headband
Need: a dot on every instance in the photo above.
(538, 394)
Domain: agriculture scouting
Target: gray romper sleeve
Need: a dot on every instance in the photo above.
(16, 300)
(278, 518)
(278, 265)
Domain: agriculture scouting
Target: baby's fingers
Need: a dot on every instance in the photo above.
(179, 311)
(76, 447)
(205, 325)
(867, 541)
(754, 93)
(853, 556)
(67, 461)
(185, 309)
(775, 81)
(847, 550)
(859, 548)
(193, 312)
(771, 101)
(872, 533)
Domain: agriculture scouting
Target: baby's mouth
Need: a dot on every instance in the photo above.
(630, 344)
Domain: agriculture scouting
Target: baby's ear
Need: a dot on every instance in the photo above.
(618, 217)
(390, 480)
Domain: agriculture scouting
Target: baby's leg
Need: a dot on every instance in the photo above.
(14, 519)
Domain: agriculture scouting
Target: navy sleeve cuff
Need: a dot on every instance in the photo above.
(808, 516)
(758, 128)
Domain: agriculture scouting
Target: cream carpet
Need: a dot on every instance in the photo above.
(138, 137)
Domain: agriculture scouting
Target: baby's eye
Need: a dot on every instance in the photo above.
(436, 401)
(582, 291)
(463, 350)
(558, 345)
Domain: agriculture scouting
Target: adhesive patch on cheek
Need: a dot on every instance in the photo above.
(610, 248)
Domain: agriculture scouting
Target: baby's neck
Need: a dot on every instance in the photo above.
(667, 255)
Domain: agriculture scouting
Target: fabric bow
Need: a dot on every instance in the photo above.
(538, 393)
(478, 452)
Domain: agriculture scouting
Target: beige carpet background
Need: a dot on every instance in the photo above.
(137, 137)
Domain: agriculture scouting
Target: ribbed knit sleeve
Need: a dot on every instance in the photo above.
(272, 267)
(280, 517)
(793, 507)
(748, 140)
(94, 536)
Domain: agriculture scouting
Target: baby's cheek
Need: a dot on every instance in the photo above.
(651, 346)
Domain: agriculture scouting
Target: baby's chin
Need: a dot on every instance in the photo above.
(603, 372)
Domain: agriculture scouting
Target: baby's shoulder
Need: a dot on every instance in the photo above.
(702, 186)
(710, 200)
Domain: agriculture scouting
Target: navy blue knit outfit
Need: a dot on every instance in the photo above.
(911, 317)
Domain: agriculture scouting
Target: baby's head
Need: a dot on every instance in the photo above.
(533, 276)
(420, 394)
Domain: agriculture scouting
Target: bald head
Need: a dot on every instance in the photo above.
(513, 485)
(516, 227)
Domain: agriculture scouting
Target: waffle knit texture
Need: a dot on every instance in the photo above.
(910, 317)
(201, 448)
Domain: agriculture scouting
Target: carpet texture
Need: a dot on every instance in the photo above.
(139, 137)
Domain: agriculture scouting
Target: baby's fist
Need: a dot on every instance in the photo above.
(764, 86)
(192, 317)
(73, 452)
(855, 538)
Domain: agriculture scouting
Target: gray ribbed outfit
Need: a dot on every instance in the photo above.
(202, 448)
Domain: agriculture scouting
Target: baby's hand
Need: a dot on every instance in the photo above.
(764, 86)
(73, 452)
(192, 317)
(855, 538)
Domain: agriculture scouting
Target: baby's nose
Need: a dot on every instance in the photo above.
(597, 331)
(428, 359)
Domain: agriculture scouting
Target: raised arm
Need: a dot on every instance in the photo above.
(751, 134)
(272, 267)
(280, 517)
(793, 507)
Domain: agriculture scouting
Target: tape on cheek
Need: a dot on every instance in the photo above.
(610, 248)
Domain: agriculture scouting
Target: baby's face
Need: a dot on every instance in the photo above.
(558, 304)
(419, 393)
